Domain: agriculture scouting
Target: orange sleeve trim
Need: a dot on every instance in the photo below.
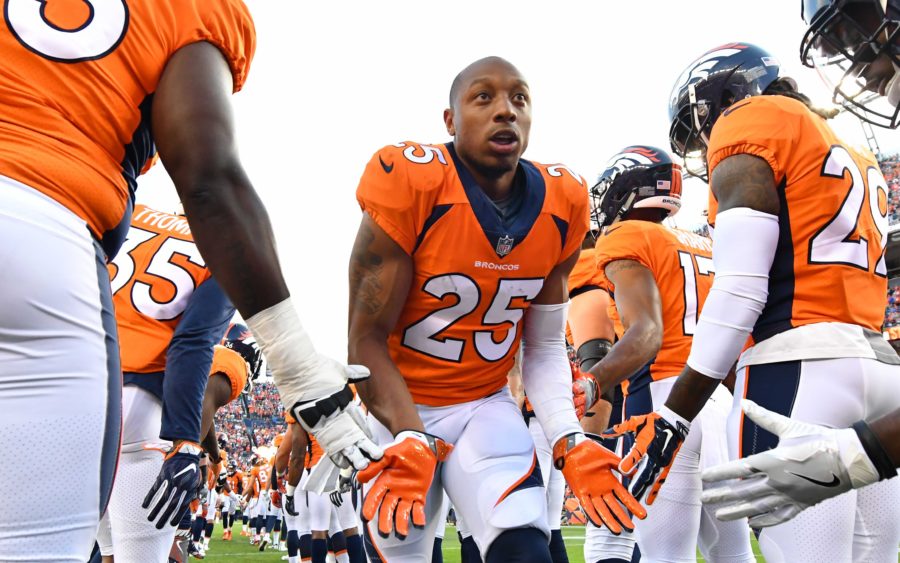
(396, 234)
(752, 149)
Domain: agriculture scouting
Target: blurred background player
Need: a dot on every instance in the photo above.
(591, 333)
(863, 39)
(257, 498)
(71, 157)
(439, 329)
(167, 330)
(806, 288)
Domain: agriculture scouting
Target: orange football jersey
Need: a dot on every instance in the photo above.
(233, 366)
(681, 263)
(259, 478)
(588, 314)
(829, 266)
(152, 280)
(315, 452)
(76, 91)
(474, 273)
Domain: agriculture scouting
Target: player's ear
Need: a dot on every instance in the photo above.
(448, 121)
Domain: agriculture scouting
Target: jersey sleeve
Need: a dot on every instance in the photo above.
(395, 196)
(579, 217)
(233, 366)
(627, 240)
(583, 277)
(760, 126)
(189, 358)
(227, 24)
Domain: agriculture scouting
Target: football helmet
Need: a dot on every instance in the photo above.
(706, 88)
(855, 47)
(638, 177)
(222, 439)
(232, 467)
(241, 340)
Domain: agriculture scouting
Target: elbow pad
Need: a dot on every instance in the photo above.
(591, 352)
(743, 252)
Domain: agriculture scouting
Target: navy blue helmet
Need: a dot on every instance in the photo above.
(635, 178)
(707, 87)
(241, 340)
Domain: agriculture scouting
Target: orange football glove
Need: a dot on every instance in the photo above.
(585, 393)
(656, 443)
(588, 469)
(402, 479)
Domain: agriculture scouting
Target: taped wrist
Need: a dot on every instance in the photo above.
(591, 352)
(290, 353)
(875, 450)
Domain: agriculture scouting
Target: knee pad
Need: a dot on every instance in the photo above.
(521, 508)
(338, 542)
(305, 546)
(520, 545)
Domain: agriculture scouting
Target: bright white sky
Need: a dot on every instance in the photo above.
(334, 81)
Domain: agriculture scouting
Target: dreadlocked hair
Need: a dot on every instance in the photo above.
(787, 87)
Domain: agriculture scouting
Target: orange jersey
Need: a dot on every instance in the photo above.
(474, 275)
(259, 479)
(681, 263)
(588, 313)
(76, 91)
(315, 452)
(829, 266)
(152, 280)
(233, 366)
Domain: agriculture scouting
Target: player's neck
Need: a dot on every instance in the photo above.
(497, 188)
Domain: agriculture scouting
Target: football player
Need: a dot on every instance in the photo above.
(89, 92)
(855, 47)
(167, 332)
(659, 278)
(774, 488)
(800, 228)
(592, 334)
(463, 252)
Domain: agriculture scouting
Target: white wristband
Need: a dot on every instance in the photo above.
(673, 417)
(291, 355)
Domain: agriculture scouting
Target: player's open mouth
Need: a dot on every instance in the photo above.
(504, 141)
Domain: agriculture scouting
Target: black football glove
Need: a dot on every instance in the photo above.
(176, 485)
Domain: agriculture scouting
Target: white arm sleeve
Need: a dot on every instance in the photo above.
(546, 374)
(743, 252)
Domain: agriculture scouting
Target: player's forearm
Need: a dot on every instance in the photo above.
(385, 393)
(691, 391)
(887, 429)
(596, 420)
(232, 230)
(634, 350)
(211, 445)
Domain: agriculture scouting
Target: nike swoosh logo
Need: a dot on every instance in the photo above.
(191, 467)
(387, 167)
(734, 107)
(834, 481)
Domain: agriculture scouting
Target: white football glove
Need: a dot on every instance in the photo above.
(811, 463)
(313, 386)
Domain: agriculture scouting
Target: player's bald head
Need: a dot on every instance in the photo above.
(480, 67)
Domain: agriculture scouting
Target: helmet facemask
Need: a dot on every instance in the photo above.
(853, 46)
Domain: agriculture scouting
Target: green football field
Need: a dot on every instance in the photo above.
(239, 549)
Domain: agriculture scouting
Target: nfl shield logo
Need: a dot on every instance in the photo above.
(504, 245)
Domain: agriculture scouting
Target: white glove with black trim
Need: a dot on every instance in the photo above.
(811, 463)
